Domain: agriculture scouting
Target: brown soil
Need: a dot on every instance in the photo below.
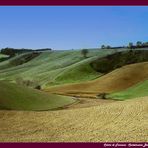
(122, 121)
(117, 80)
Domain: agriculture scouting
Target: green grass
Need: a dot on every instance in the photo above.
(139, 90)
(78, 72)
(55, 67)
(16, 97)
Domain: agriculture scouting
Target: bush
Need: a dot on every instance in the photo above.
(38, 87)
(102, 95)
(84, 52)
(103, 47)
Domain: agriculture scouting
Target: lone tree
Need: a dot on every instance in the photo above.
(84, 52)
(103, 47)
(139, 43)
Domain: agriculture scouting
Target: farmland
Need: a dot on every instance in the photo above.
(118, 121)
(101, 97)
(51, 68)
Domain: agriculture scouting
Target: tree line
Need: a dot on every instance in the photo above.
(12, 51)
(131, 45)
(138, 44)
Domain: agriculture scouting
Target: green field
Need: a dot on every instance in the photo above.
(139, 90)
(14, 97)
(55, 67)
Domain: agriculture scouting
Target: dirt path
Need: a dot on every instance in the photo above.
(116, 121)
(86, 102)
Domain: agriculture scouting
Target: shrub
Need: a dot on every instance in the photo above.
(102, 95)
(38, 87)
(139, 43)
(84, 52)
(103, 47)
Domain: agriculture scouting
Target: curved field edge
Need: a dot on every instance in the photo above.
(122, 121)
(14, 97)
(117, 80)
(139, 90)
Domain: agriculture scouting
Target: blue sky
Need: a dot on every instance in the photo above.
(72, 27)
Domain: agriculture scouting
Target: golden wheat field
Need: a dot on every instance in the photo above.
(114, 121)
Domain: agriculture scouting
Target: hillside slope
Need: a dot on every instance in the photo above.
(51, 68)
(16, 97)
(119, 59)
(116, 80)
(139, 90)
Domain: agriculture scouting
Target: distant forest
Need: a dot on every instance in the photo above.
(12, 51)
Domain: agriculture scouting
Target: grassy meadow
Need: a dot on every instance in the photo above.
(14, 97)
(136, 91)
(52, 68)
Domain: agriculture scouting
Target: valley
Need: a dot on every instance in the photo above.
(60, 96)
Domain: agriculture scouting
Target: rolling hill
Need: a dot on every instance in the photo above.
(54, 67)
(116, 80)
(15, 97)
(107, 120)
(119, 59)
(136, 91)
